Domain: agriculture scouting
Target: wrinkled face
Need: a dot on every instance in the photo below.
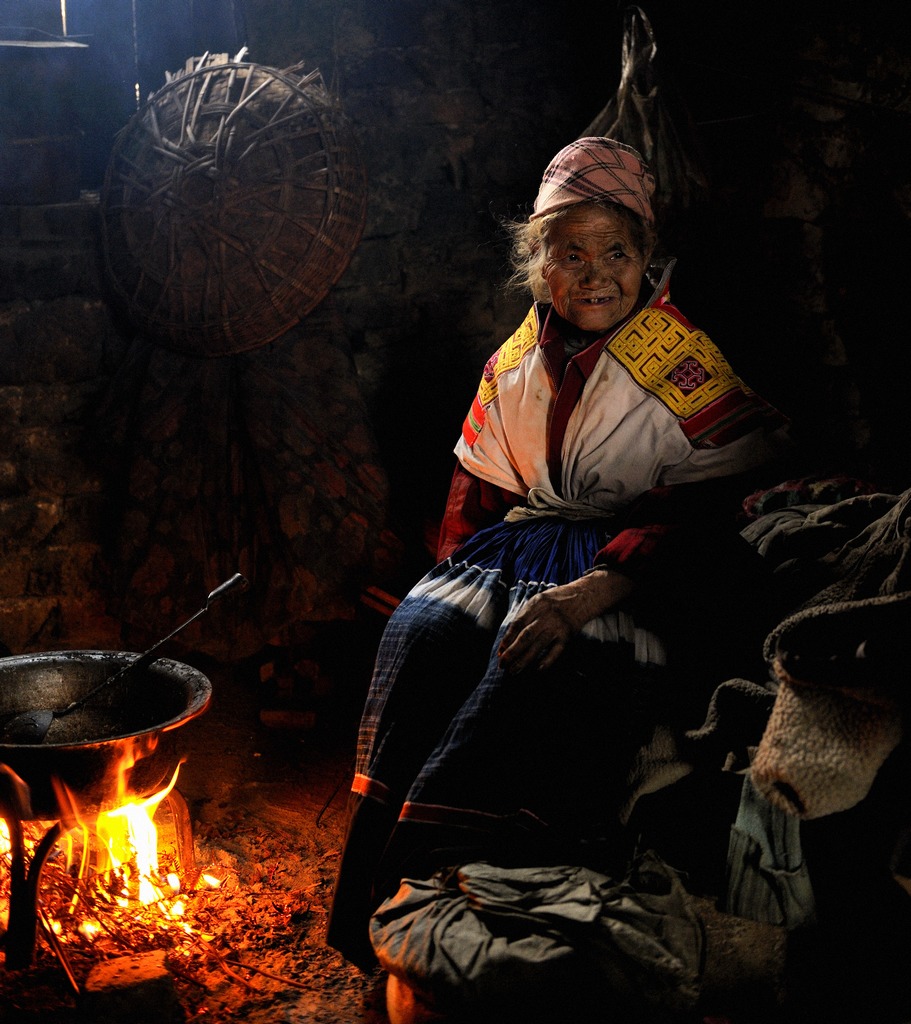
(592, 267)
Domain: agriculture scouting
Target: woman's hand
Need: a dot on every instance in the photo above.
(538, 635)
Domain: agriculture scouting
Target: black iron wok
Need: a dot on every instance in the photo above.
(131, 723)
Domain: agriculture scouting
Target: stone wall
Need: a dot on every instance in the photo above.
(789, 264)
(58, 346)
(458, 108)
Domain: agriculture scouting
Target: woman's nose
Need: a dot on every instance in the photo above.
(597, 272)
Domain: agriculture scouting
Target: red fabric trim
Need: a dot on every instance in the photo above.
(474, 421)
(363, 785)
(569, 380)
(567, 397)
(630, 549)
(731, 417)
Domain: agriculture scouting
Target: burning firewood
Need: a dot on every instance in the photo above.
(236, 941)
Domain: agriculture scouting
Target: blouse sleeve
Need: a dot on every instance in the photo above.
(670, 527)
(696, 580)
(472, 505)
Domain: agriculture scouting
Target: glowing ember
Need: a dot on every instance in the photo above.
(89, 929)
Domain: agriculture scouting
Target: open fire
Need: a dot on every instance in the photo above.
(108, 886)
(230, 936)
(245, 943)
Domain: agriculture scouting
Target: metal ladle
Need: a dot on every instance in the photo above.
(32, 726)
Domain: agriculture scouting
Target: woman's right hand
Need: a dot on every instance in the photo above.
(538, 635)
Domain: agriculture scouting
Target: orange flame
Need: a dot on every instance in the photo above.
(124, 839)
(122, 843)
(128, 835)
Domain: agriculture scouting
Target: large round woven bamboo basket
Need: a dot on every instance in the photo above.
(232, 203)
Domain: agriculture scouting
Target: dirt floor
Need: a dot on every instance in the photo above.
(267, 807)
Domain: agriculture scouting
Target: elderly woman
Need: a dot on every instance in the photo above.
(515, 683)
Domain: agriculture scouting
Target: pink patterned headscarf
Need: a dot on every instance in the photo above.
(596, 168)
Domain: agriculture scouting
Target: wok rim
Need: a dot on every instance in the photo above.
(117, 659)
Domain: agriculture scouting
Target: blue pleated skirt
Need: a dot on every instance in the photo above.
(441, 712)
(459, 760)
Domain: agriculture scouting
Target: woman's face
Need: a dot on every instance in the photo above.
(592, 267)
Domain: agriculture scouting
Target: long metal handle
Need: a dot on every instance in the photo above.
(235, 582)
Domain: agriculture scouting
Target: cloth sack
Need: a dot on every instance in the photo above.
(561, 943)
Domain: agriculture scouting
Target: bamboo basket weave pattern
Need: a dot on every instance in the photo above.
(232, 203)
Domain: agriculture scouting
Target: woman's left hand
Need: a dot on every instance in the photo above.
(538, 635)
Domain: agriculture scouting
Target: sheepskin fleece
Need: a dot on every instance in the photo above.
(841, 659)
